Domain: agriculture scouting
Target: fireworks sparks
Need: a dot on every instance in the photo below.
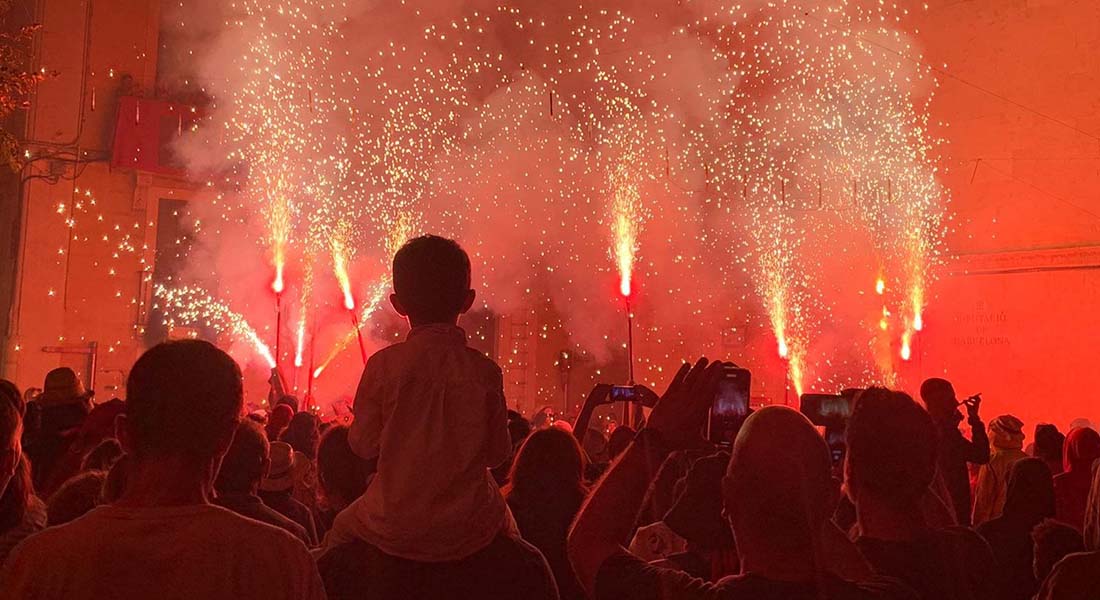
(546, 138)
(341, 257)
(190, 305)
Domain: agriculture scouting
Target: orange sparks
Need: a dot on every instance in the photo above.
(369, 308)
(261, 348)
(341, 256)
(795, 365)
(278, 219)
(278, 285)
(300, 342)
(917, 300)
(626, 222)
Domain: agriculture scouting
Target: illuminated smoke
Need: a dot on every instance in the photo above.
(726, 154)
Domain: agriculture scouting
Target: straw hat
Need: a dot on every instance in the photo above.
(280, 476)
(62, 386)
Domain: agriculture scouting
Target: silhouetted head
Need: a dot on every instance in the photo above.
(891, 450)
(1081, 450)
(1049, 443)
(619, 440)
(15, 475)
(277, 421)
(1029, 497)
(1006, 432)
(78, 495)
(1092, 513)
(939, 398)
(431, 280)
(341, 472)
(548, 467)
(9, 392)
(778, 491)
(518, 428)
(62, 386)
(183, 401)
(303, 433)
(289, 401)
(697, 514)
(246, 461)
(1053, 541)
(103, 456)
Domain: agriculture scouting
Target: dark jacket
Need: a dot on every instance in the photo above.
(955, 451)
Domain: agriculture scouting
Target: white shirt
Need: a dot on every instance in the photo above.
(184, 552)
(432, 410)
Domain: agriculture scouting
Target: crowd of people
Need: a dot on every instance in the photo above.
(436, 489)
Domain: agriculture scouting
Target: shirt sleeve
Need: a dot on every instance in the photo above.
(365, 433)
(499, 441)
(976, 450)
(305, 583)
(624, 576)
(15, 576)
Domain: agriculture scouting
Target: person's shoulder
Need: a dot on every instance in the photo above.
(386, 354)
(233, 529)
(883, 588)
(54, 543)
(963, 536)
(239, 525)
(972, 547)
(516, 552)
(1078, 563)
(835, 588)
(348, 557)
(1072, 576)
(487, 365)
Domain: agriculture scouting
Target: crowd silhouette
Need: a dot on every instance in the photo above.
(436, 490)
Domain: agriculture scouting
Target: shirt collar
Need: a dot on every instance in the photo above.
(441, 332)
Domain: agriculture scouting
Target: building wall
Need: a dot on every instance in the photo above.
(1018, 98)
(1022, 110)
(81, 255)
(1009, 317)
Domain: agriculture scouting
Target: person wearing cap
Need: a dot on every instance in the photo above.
(954, 451)
(54, 418)
(98, 426)
(1007, 440)
(277, 489)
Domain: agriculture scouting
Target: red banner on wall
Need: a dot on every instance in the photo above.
(145, 132)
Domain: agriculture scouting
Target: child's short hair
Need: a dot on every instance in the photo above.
(431, 276)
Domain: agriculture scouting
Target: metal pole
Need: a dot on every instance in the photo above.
(278, 326)
(359, 335)
(629, 343)
(309, 381)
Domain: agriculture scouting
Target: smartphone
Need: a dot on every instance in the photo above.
(623, 393)
(730, 407)
(830, 410)
(837, 440)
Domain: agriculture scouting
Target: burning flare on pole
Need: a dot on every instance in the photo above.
(193, 306)
(341, 256)
(278, 217)
(401, 230)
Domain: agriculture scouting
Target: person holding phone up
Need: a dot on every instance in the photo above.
(955, 451)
